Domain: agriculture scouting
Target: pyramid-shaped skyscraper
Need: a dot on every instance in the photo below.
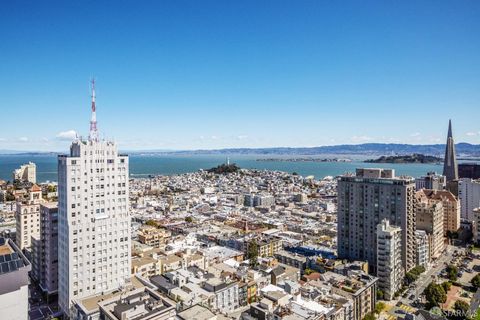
(450, 169)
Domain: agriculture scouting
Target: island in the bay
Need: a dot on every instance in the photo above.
(412, 158)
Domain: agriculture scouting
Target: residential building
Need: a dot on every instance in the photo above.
(429, 217)
(14, 268)
(142, 303)
(153, 236)
(28, 218)
(476, 225)
(451, 208)
(469, 195)
(26, 173)
(226, 294)
(88, 308)
(267, 247)
(423, 249)
(390, 272)
(431, 181)
(364, 200)
(93, 218)
(197, 312)
(45, 250)
(358, 287)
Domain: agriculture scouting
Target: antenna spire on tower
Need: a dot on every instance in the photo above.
(93, 121)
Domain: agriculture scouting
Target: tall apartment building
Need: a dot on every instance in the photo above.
(45, 250)
(429, 217)
(93, 218)
(450, 204)
(469, 196)
(364, 200)
(14, 268)
(28, 218)
(390, 272)
(26, 173)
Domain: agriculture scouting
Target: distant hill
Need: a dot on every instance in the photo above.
(414, 158)
(462, 149)
(373, 149)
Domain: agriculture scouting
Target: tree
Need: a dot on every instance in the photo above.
(369, 316)
(9, 197)
(308, 271)
(461, 306)
(413, 274)
(446, 285)
(452, 272)
(152, 223)
(252, 253)
(435, 294)
(476, 281)
(380, 294)
(379, 307)
(189, 219)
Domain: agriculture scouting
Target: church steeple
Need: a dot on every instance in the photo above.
(450, 169)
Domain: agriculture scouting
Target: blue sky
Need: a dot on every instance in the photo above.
(215, 74)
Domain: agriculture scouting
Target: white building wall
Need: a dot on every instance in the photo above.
(14, 304)
(93, 221)
(469, 195)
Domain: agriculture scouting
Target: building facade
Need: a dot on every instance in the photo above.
(28, 218)
(45, 263)
(14, 269)
(469, 170)
(26, 173)
(451, 208)
(93, 218)
(430, 181)
(423, 250)
(366, 199)
(469, 196)
(153, 236)
(389, 259)
(429, 217)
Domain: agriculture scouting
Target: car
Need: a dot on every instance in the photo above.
(412, 297)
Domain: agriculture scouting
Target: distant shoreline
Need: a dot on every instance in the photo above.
(304, 160)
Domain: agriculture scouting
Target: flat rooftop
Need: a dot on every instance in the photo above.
(91, 303)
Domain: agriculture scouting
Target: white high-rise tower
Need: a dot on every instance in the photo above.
(93, 218)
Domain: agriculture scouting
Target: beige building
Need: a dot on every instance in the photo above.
(268, 247)
(451, 207)
(26, 173)
(153, 236)
(429, 216)
(28, 218)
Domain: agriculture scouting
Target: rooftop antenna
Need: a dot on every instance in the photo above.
(93, 121)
